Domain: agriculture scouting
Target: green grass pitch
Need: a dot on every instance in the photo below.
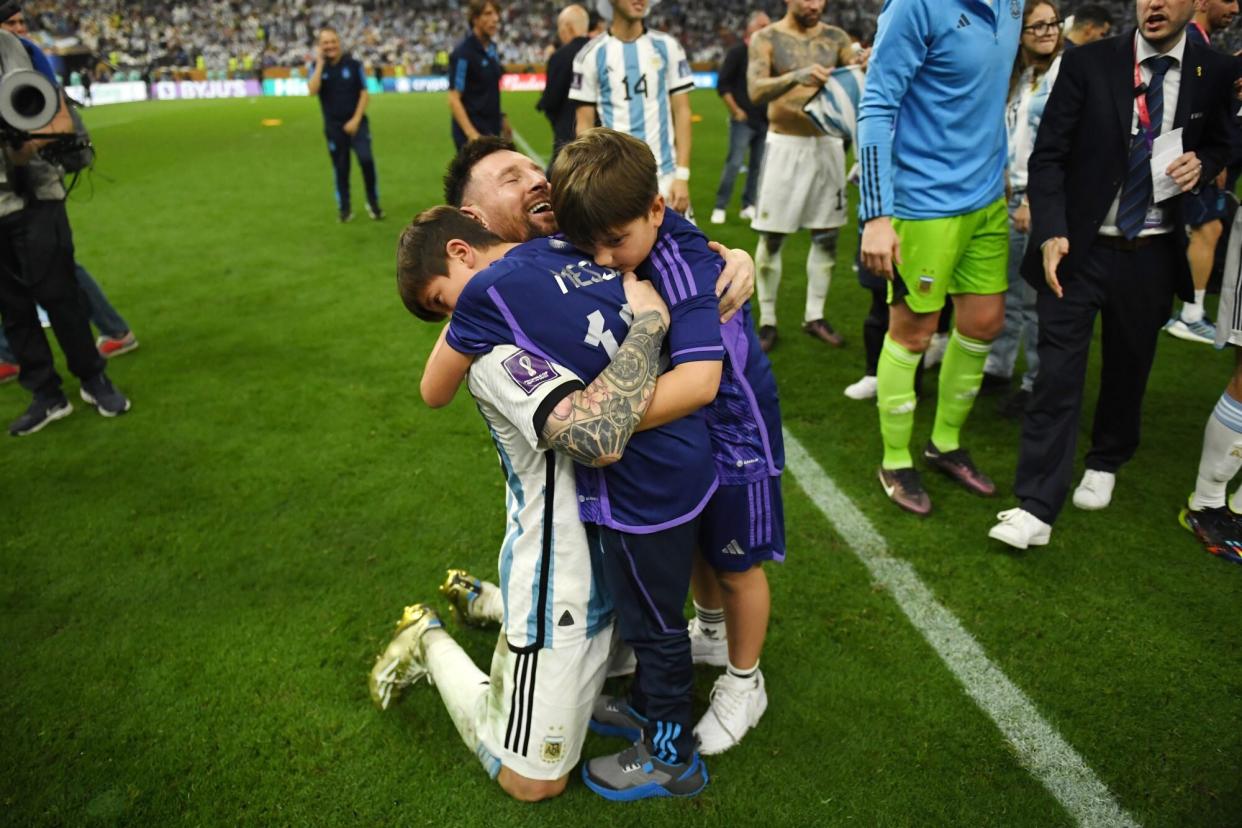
(192, 594)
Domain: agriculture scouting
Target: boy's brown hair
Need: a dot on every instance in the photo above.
(601, 181)
(421, 253)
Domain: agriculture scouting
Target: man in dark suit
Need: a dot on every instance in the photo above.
(1101, 244)
(571, 30)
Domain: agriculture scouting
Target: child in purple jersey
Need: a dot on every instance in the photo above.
(743, 524)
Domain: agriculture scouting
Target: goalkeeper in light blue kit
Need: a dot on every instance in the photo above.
(932, 148)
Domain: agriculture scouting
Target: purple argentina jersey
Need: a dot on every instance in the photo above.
(744, 421)
(551, 299)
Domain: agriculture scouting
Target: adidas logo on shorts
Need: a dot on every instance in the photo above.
(963, 22)
(734, 548)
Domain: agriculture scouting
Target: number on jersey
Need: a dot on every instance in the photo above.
(639, 88)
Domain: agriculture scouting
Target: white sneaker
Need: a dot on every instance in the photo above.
(864, 389)
(935, 351)
(1095, 491)
(1020, 529)
(737, 705)
(707, 649)
(747, 214)
(718, 217)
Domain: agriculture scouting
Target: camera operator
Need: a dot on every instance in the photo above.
(115, 337)
(36, 264)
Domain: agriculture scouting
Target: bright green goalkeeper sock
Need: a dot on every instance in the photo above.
(961, 374)
(896, 400)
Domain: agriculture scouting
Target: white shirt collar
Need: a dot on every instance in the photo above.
(1144, 50)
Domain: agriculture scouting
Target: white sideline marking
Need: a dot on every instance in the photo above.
(528, 150)
(1039, 747)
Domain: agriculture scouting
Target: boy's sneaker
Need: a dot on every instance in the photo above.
(1020, 529)
(905, 488)
(1199, 331)
(707, 649)
(635, 774)
(101, 393)
(1219, 530)
(9, 371)
(463, 591)
(374, 211)
(718, 216)
(958, 466)
(403, 661)
(737, 705)
(345, 216)
(747, 213)
(110, 346)
(613, 716)
(40, 413)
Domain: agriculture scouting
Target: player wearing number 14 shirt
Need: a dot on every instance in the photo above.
(637, 81)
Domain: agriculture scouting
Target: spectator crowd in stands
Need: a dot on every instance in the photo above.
(248, 35)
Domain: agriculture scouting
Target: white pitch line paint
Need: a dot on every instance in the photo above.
(1039, 747)
(528, 150)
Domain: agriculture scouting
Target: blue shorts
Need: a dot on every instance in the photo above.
(742, 526)
(1206, 205)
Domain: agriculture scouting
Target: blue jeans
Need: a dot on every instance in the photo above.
(1021, 322)
(103, 315)
(741, 135)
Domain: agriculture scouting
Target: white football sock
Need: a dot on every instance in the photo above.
(710, 621)
(767, 280)
(818, 277)
(743, 673)
(463, 686)
(1222, 454)
(490, 605)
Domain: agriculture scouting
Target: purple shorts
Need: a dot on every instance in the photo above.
(743, 526)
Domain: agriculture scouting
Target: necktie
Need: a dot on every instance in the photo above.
(1136, 192)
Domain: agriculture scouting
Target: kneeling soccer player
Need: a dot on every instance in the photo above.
(527, 722)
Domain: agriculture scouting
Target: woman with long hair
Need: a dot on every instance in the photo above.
(1034, 72)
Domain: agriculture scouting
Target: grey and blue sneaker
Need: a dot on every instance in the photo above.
(635, 774)
(42, 410)
(613, 716)
(1201, 331)
(101, 393)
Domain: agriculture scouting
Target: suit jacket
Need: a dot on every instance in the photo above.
(554, 102)
(1083, 145)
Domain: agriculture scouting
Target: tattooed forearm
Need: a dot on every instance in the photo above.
(594, 425)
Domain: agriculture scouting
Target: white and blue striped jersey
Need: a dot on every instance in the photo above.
(631, 85)
(550, 595)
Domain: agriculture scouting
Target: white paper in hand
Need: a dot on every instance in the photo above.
(1166, 149)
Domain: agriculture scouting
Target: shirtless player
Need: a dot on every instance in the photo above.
(803, 178)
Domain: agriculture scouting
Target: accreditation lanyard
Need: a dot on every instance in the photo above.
(1140, 102)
